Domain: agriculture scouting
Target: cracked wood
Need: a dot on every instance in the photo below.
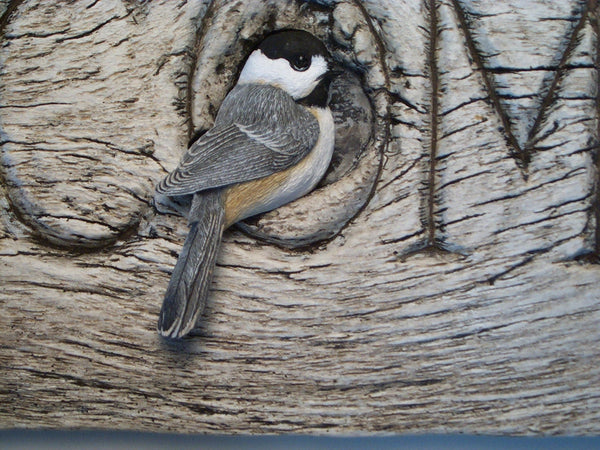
(462, 298)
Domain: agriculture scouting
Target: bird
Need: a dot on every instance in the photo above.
(271, 143)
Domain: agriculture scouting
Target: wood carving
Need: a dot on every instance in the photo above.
(444, 278)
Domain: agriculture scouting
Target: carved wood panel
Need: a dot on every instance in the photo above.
(443, 279)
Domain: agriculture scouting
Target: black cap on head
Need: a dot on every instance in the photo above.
(296, 46)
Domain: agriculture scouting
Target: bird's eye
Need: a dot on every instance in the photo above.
(300, 63)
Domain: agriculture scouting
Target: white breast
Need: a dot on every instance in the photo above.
(303, 177)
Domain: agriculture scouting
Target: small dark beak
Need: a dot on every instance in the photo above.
(332, 73)
(335, 72)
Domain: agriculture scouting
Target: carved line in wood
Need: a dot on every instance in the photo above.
(284, 219)
(594, 13)
(348, 185)
(522, 153)
(291, 333)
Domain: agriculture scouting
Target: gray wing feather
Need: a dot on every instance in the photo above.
(259, 130)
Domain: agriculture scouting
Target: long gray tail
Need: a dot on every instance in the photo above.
(188, 288)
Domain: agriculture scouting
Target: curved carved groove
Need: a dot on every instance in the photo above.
(7, 8)
(358, 335)
(350, 181)
(80, 157)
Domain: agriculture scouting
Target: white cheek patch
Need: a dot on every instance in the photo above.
(261, 69)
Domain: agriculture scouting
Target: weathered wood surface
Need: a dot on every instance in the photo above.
(462, 296)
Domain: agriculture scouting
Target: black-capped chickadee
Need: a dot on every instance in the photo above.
(271, 143)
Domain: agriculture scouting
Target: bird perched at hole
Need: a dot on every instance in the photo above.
(271, 143)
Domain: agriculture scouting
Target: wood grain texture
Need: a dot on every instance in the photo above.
(463, 297)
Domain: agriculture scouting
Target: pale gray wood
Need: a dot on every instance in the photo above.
(462, 297)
